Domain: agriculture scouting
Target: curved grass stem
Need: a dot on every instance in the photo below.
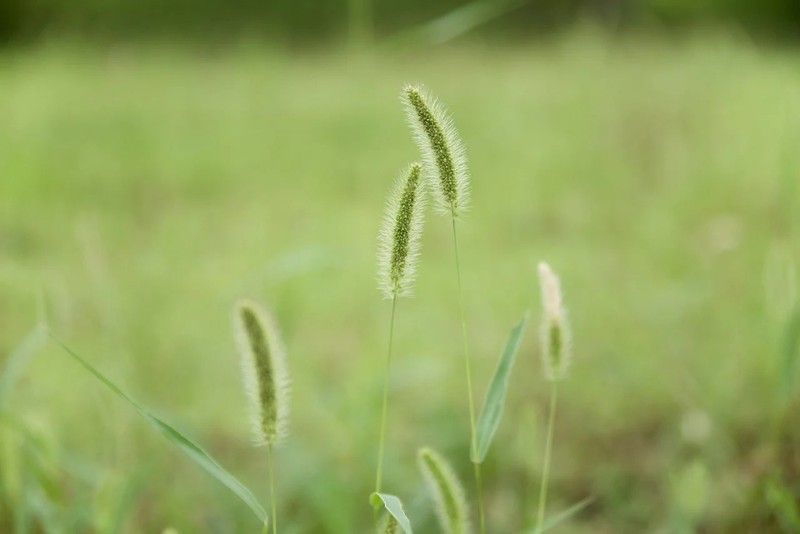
(547, 451)
(470, 397)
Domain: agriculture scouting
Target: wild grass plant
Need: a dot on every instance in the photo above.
(398, 251)
(266, 382)
(447, 174)
(556, 355)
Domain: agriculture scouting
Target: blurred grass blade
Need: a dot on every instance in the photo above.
(492, 410)
(455, 23)
(394, 506)
(791, 352)
(562, 516)
(34, 341)
(187, 446)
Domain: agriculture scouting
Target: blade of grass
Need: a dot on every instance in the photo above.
(34, 341)
(492, 411)
(394, 506)
(562, 516)
(187, 446)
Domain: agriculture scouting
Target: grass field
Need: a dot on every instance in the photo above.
(142, 190)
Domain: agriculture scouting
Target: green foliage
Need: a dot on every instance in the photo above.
(492, 411)
(317, 20)
(394, 509)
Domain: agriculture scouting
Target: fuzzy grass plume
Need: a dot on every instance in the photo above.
(264, 371)
(555, 340)
(443, 154)
(554, 331)
(447, 492)
(399, 240)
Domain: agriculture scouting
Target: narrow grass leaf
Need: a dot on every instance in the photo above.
(34, 341)
(394, 506)
(492, 410)
(187, 446)
(562, 516)
(791, 352)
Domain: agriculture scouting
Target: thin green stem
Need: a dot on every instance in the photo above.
(547, 450)
(473, 438)
(384, 410)
(272, 490)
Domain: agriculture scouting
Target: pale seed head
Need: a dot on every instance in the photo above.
(554, 331)
(263, 362)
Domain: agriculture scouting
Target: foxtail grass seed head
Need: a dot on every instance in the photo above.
(443, 156)
(266, 380)
(388, 525)
(555, 334)
(447, 492)
(401, 231)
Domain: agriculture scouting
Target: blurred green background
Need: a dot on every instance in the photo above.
(301, 21)
(159, 160)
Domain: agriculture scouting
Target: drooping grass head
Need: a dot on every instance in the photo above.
(443, 156)
(447, 492)
(401, 231)
(555, 334)
(264, 373)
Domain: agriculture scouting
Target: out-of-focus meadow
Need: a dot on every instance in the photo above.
(144, 188)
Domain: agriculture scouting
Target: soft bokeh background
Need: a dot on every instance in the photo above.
(159, 160)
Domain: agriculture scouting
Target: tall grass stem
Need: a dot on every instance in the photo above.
(547, 452)
(470, 397)
(384, 409)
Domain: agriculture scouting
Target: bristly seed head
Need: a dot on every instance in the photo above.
(401, 231)
(388, 525)
(266, 380)
(448, 494)
(555, 335)
(443, 155)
